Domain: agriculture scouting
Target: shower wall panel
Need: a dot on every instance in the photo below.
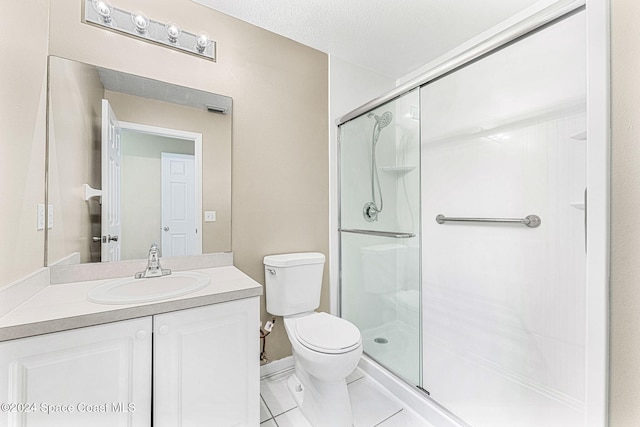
(504, 304)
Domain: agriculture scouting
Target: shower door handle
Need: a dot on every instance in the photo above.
(393, 234)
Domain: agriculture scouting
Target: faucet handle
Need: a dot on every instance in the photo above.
(153, 265)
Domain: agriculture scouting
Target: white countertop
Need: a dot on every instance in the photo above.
(64, 306)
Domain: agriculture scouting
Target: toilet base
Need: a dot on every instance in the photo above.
(323, 404)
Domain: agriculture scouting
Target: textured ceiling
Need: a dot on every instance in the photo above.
(393, 37)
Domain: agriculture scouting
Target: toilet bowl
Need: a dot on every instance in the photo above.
(322, 363)
(326, 348)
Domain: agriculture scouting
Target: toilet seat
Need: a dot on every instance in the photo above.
(325, 333)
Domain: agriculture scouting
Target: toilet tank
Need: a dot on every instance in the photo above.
(293, 282)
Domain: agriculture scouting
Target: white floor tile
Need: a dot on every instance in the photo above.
(292, 418)
(404, 419)
(275, 393)
(264, 412)
(369, 405)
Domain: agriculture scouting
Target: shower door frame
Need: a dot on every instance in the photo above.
(338, 309)
(598, 167)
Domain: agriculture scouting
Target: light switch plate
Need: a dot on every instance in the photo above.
(209, 216)
(40, 216)
(50, 217)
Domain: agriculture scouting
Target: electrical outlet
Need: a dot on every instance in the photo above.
(50, 216)
(40, 216)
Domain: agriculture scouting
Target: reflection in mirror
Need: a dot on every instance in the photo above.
(157, 123)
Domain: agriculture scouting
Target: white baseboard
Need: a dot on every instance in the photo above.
(276, 366)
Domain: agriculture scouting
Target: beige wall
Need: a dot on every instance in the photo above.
(23, 76)
(280, 125)
(625, 211)
(75, 100)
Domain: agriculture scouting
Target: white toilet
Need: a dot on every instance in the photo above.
(326, 349)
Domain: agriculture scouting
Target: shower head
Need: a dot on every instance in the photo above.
(384, 120)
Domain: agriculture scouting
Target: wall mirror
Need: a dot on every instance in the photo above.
(132, 161)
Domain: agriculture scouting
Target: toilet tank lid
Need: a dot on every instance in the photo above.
(289, 260)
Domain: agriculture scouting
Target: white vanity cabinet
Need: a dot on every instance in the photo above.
(199, 366)
(206, 366)
(96, 376)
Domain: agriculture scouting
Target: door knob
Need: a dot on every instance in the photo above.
(105, 239)
(166, 228)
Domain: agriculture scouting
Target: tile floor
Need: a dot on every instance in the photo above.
(371, 404)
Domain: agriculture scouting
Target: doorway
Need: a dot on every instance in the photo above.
(161, 191)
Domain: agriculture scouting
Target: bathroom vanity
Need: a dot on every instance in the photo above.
(190, 360)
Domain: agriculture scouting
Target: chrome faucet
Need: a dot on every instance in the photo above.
(153, 265)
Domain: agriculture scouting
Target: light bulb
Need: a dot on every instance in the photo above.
(173, 32)
(203, 40)
(140, 21)
(104, 9)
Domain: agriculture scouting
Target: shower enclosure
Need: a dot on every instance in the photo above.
(463, 232)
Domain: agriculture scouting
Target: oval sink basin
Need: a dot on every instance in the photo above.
(130, 290)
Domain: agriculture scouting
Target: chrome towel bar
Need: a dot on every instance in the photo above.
(531, 221)
(392, 234)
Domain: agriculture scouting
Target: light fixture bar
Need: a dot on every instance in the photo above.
(165, 34)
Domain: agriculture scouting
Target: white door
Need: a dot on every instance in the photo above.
(98, 376)
(206, 366)
(111, 178)
(179, 226)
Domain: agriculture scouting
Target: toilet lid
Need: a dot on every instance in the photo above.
(325, 333)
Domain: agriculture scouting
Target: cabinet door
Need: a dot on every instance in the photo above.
(206, 366)
(95, 376)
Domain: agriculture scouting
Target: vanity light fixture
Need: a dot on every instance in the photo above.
(101, 13)
(203, 40)
(141, 22)
(104, 9)
(173, 32)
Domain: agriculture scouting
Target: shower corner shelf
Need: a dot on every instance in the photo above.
(582, 136)
(398, 170)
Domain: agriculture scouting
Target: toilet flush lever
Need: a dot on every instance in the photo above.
(271, 271)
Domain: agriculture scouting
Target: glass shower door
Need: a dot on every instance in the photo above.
(504, 304)
(380, 232)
